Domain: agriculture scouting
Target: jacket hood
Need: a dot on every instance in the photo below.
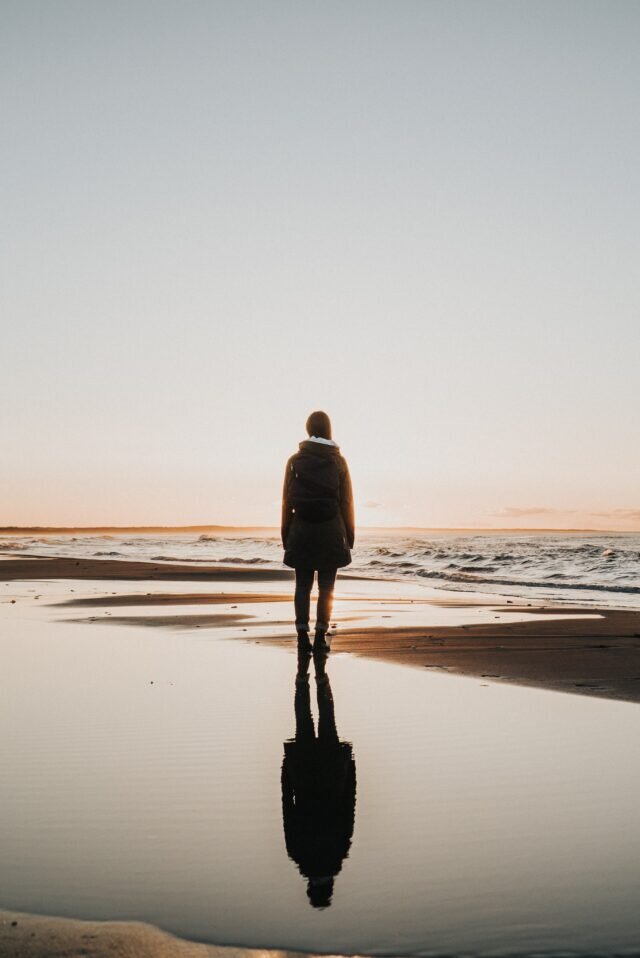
(318, 448)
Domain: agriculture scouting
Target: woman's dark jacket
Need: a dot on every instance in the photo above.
(318, 524)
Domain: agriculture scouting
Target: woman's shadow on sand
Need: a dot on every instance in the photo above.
(318, 787)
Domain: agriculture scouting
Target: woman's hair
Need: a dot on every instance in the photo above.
(319, 424)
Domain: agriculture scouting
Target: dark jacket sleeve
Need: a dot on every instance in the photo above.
(286, 505)
(346, 505)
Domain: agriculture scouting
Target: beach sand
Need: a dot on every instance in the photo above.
(565, 648)
(37, 936)
(45, 567)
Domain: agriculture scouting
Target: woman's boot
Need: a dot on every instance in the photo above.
(304, 645)
(322, 642)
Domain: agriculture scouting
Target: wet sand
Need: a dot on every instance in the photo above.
(36, 936)
(45, 567)
(571, 649)
(591, 656)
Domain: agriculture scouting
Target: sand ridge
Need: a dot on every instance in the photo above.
(36, 936)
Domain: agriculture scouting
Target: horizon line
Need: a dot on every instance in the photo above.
(14, 530)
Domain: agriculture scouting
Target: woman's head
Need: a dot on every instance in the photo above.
(319, 425)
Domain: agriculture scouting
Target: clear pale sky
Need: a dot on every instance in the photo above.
(419, 216)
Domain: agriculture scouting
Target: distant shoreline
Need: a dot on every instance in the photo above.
(62, 530)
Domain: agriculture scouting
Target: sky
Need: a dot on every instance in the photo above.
(421, 217)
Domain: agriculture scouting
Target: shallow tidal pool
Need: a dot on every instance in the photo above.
(141, 777)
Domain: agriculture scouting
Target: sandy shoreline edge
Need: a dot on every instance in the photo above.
(582, 650)
(53, 567)
(38, 936)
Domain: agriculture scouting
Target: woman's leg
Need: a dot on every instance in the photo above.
(327, 731)
(326, 583)
(305, 730)
(304, 584)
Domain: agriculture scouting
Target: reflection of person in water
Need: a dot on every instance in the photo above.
(318, 787)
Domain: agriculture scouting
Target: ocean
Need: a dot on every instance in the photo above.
(595, 568)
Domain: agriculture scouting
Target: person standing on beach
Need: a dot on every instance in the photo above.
(318, 525)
